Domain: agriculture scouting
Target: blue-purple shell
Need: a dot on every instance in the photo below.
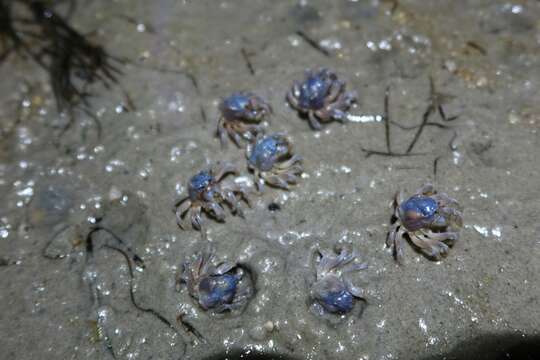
(335, 298)
(199, 182)
(417, 212)
(217, 290)
(313, 91)
(236, 105)
(265, 152)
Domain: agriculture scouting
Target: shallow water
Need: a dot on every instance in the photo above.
(61, 301)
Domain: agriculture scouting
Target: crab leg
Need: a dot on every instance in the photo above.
(181, 208)
(215, 210)
(222, 131)
(391, 236)
(290, 178)
(431, 247)
(224, 268)
(223, 169)
(286, 164)
(450, 237)
(335, 90)
(182, 203)
(313, 122)
(196, 220)
(233, 135)
(275, 181)
(354, 290)
(398, 244)
(230, 198)
(243, 192)
(445, 199)
(454, 215)
(293, 94)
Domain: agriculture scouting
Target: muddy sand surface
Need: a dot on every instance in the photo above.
(119, 164)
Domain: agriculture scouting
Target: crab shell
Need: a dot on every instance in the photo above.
(217, 290)
(199, 183)
(418, 212)
(333, 295)
(315, 89)
(267, 151)
(245, 106)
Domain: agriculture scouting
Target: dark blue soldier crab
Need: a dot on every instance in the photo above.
(206, 194)
(429, 219)
(220, 287)
(271, 160)
(322, 97)
(241, 114)
(333, 292)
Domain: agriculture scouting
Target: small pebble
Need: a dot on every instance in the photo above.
(114, 194)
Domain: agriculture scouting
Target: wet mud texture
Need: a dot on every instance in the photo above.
(89, 246)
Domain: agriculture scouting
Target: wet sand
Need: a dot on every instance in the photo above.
(64, 299)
